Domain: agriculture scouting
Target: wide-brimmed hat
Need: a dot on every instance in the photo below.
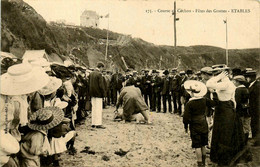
(53, 85)
(240, 78)
(46, 118)
(216, 71)
(207, 70)
(23, 79)
(197, 88)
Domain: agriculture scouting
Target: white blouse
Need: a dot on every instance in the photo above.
(225, 88)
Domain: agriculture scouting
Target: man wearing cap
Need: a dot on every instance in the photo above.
(175, 91)
(242, 100)
(166, 89)
(97, 91)
(254, 105)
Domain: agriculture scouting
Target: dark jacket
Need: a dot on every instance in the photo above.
(176, 83)
(146, 84)
(242, 99)
(254, 98)
(158, 84)
(116, 81)
(96, 84)
(166, 85)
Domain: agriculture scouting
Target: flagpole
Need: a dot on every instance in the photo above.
(175, 36)
(107, 38)
(226, 42)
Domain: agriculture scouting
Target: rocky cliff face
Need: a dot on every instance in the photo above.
(23, 28)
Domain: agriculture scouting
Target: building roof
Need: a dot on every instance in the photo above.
(35, 54)
(89, 13)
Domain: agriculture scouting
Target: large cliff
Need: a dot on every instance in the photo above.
(23, 28)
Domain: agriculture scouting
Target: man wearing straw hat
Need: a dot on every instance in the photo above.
(97, 91)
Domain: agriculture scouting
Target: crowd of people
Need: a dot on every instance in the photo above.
(42, 104)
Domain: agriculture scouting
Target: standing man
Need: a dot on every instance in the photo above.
(116, 85)
(147, 89)
(242, 101)
(254, 105)
(158, 84)
(166, 93)
(153, 100)
(97, 91)
(176, 89)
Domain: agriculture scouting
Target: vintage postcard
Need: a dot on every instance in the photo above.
(111, 83)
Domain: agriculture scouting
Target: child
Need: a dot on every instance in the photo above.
(60, 134)
(35, 143)
(59, 137)
(195, 117)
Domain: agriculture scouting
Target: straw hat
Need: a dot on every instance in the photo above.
(207, 70)
(52, 86)
(23, 79)
(198, 88)
(46, 118)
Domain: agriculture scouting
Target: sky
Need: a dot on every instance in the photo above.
(200, 22)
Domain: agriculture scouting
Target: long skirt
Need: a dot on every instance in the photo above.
(227, 135)
(97, 107)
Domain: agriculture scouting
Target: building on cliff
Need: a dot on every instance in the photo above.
(89, 19)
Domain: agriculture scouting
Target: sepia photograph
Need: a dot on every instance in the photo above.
(130, 83)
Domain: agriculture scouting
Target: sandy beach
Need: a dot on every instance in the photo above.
(162, 144)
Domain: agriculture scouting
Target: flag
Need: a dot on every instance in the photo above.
(225, 21)
(107, 16)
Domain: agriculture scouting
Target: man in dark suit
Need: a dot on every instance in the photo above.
(254, 105)
(166, 93)
(242, 101)
(157, 84)
(97, 91)
(116, 85)
(175, 89)
(147, 89)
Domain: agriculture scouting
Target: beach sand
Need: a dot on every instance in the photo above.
(162, 144)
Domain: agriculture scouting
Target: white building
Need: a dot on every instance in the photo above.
(89, 19)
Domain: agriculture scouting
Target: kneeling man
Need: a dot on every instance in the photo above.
(133, 103)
